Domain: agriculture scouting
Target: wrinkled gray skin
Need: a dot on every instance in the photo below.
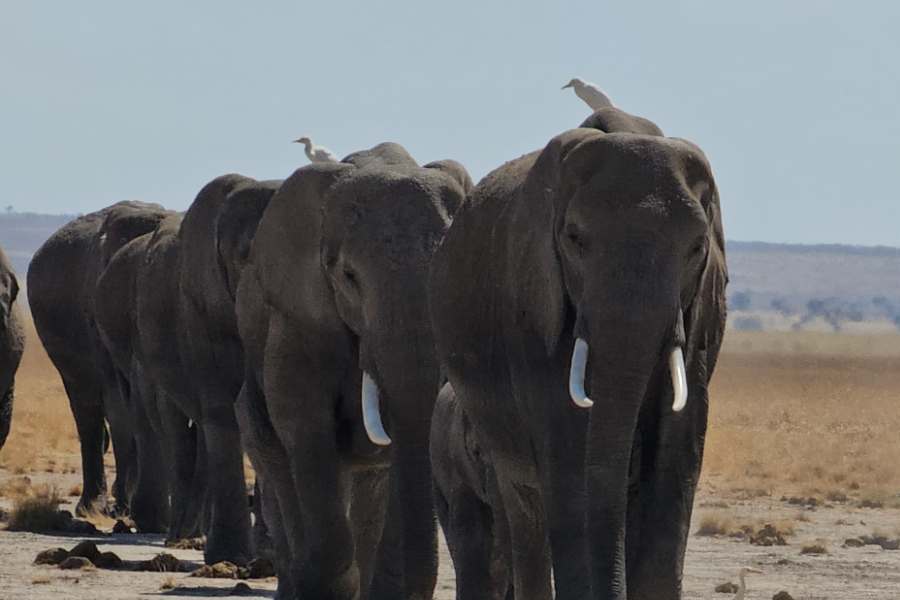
(336, 285)
(115, 314)
(176, 345)
(214, 243)
(12, 341)
(607, 237)
(62, 278)
(468, 504)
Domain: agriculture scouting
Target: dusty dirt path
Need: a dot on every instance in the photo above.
(868, 572)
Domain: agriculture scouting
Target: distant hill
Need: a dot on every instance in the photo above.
(790, 286)
(21, 234)
(773, 286)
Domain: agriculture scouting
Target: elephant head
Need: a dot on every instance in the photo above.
(236, 225)
(631, 283)
(124, 221)
(381, 224)
(9, 291)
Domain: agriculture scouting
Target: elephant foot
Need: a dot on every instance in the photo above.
(342, 587)
(92, 506)
(224, 547)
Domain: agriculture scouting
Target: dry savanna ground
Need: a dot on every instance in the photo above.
(803, 437)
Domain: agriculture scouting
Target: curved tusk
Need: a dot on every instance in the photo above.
(371, 411)
(679, 379)
(576, 375)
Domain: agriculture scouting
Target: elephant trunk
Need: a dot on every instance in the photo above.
(626, 353)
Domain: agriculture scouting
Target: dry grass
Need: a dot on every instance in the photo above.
(806, 413)
(37, 511)
(43, 436)
(727, 523)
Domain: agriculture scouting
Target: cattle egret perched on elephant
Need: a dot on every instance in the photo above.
(590, 93)
(316, 154)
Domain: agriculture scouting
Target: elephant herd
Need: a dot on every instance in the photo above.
(527, 359)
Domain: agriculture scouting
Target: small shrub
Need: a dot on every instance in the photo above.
(38, 513)
(816, 548)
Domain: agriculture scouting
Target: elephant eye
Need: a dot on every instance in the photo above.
(574, 238)
(350, 276)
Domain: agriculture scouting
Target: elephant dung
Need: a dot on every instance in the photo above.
(53, 556)
(220, 570)
(76, 563)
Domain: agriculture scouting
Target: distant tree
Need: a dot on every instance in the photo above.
(782, 306)
(748, 324)
(740, 300)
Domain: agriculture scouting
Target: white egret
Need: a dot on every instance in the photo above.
(590, 93)
(316, 153)
(742, 588)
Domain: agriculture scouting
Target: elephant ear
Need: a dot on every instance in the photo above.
(286, 249)
(705, 317)
(8, 297)
(541, 293)
(455, 171)
(456, 185)
(236, 226)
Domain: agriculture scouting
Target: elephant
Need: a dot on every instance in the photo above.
(595, 264)
(115, 313)
(12, 342)
(175, 337)
(341, 375)
(468, 504)
(61, 287)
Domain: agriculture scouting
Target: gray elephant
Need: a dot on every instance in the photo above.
(62, 280)
(593, 265)
(468, 504)
(341, 374)
(12, 341)
(118, 298)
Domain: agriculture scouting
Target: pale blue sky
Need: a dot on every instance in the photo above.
(797, 104)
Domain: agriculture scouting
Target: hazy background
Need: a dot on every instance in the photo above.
(795, 103)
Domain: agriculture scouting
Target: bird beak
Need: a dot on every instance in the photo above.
(568, 85)
(297, 141)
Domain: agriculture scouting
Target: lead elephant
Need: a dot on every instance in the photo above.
(595, 265)
(62, 278)
(341, 374)
(12, 341)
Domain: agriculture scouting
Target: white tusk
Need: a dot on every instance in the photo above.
(190, 423)
(679, 379)
(371, 411)
(576, 375)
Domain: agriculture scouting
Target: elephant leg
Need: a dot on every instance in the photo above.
(150, 500)
(565, 500)
(276, 484)
(406, 565)
(670, 459)
(260, 536)
(531, 561)
(368, 510)
(228, 536)
(120, 414)
(181, 459)
(6, 408)
(87, 409)
(469, 529)
(388, 579)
